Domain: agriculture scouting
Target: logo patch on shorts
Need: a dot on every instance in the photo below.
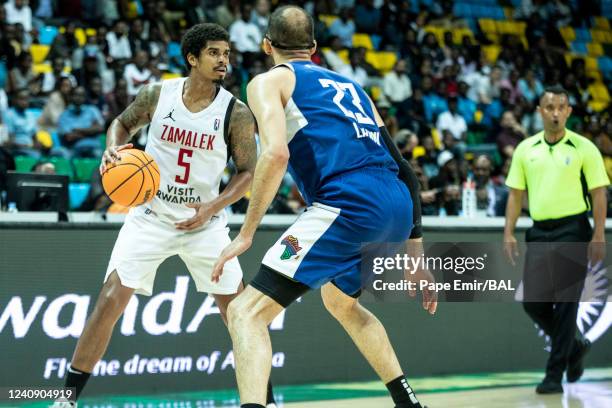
(292, 247)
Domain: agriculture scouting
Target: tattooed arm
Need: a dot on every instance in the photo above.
(244, 152)
(134, 117)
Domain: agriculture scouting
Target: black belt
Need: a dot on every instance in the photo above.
(557, 222)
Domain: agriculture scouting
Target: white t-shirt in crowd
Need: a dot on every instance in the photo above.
(454, 123)
(22, 15)
(136, 78)
(246, 36)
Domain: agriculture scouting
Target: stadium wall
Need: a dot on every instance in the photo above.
(175, 340)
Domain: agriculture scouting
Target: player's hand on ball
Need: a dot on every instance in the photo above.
(237, 247)
(110, 156)
(204, 212)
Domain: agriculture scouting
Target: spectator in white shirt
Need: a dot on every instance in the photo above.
(396, 84)
(17, 11)
(118, 41)
(137, 74)
(354, 71)
(332, 54)
(452, 121)
(244, 34)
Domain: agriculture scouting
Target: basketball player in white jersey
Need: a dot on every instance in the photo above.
(194, 125)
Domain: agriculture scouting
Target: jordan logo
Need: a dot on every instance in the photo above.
(169, 115)
(292, 247)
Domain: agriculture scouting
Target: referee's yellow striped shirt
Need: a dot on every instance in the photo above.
(557, 176)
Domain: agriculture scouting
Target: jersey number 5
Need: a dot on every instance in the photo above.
(185, 164)
(341, 87)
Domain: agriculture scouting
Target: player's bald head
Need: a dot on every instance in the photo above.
(291, 28)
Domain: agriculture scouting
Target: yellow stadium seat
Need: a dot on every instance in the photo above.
(362, 40)
(327, 19)
(79, 34)
(436, 138)
(344, 55)
(41, 68)
(601, 36)
(487, 25)
(590, 63)
(598, 106)
(568, 34)
(90, 32)
(599, 92)
(503, 27)
(491, 52)
(375, 91)
(596, 75)
(602, 23)
(418, 151)
(459, 33)
(382, 61)
(595, 49)
(511, 27)
(39, 53)
(131, 9)
(494, 38)
(437, 31)
(170, 75)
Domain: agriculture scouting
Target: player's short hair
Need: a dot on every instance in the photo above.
(555, 90)
(291, 28)
(197, 37)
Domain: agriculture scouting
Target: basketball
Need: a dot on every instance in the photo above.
(132, 181)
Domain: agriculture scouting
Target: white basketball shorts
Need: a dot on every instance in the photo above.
(145, 241)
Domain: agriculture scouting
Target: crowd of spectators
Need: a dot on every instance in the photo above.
(453, 113)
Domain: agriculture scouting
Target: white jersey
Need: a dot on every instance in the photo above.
(190, 150)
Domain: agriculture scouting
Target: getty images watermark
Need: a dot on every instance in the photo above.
(411, 265)
(473, 272)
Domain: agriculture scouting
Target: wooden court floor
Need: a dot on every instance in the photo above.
(580, 395)
(485, 390)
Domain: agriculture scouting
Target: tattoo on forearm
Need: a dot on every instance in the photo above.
(138, 113)
(242, 138)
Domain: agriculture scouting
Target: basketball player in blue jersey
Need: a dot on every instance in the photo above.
(326, 131)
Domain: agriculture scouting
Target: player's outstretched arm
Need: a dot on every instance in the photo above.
(134, 117)
(265, 99)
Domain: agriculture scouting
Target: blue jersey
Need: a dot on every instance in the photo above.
(331, 130)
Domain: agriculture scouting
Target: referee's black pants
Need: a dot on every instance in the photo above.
(555, 269)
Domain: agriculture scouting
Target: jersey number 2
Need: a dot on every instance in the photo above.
(185, 164)
(341, 87)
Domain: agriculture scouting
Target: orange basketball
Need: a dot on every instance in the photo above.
(132, 181)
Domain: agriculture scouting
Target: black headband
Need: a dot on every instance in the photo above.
(289, 47)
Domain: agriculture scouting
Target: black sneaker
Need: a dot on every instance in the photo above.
(548, 386)
(575, 364)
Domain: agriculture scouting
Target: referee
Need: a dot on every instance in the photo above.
(559, 169)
